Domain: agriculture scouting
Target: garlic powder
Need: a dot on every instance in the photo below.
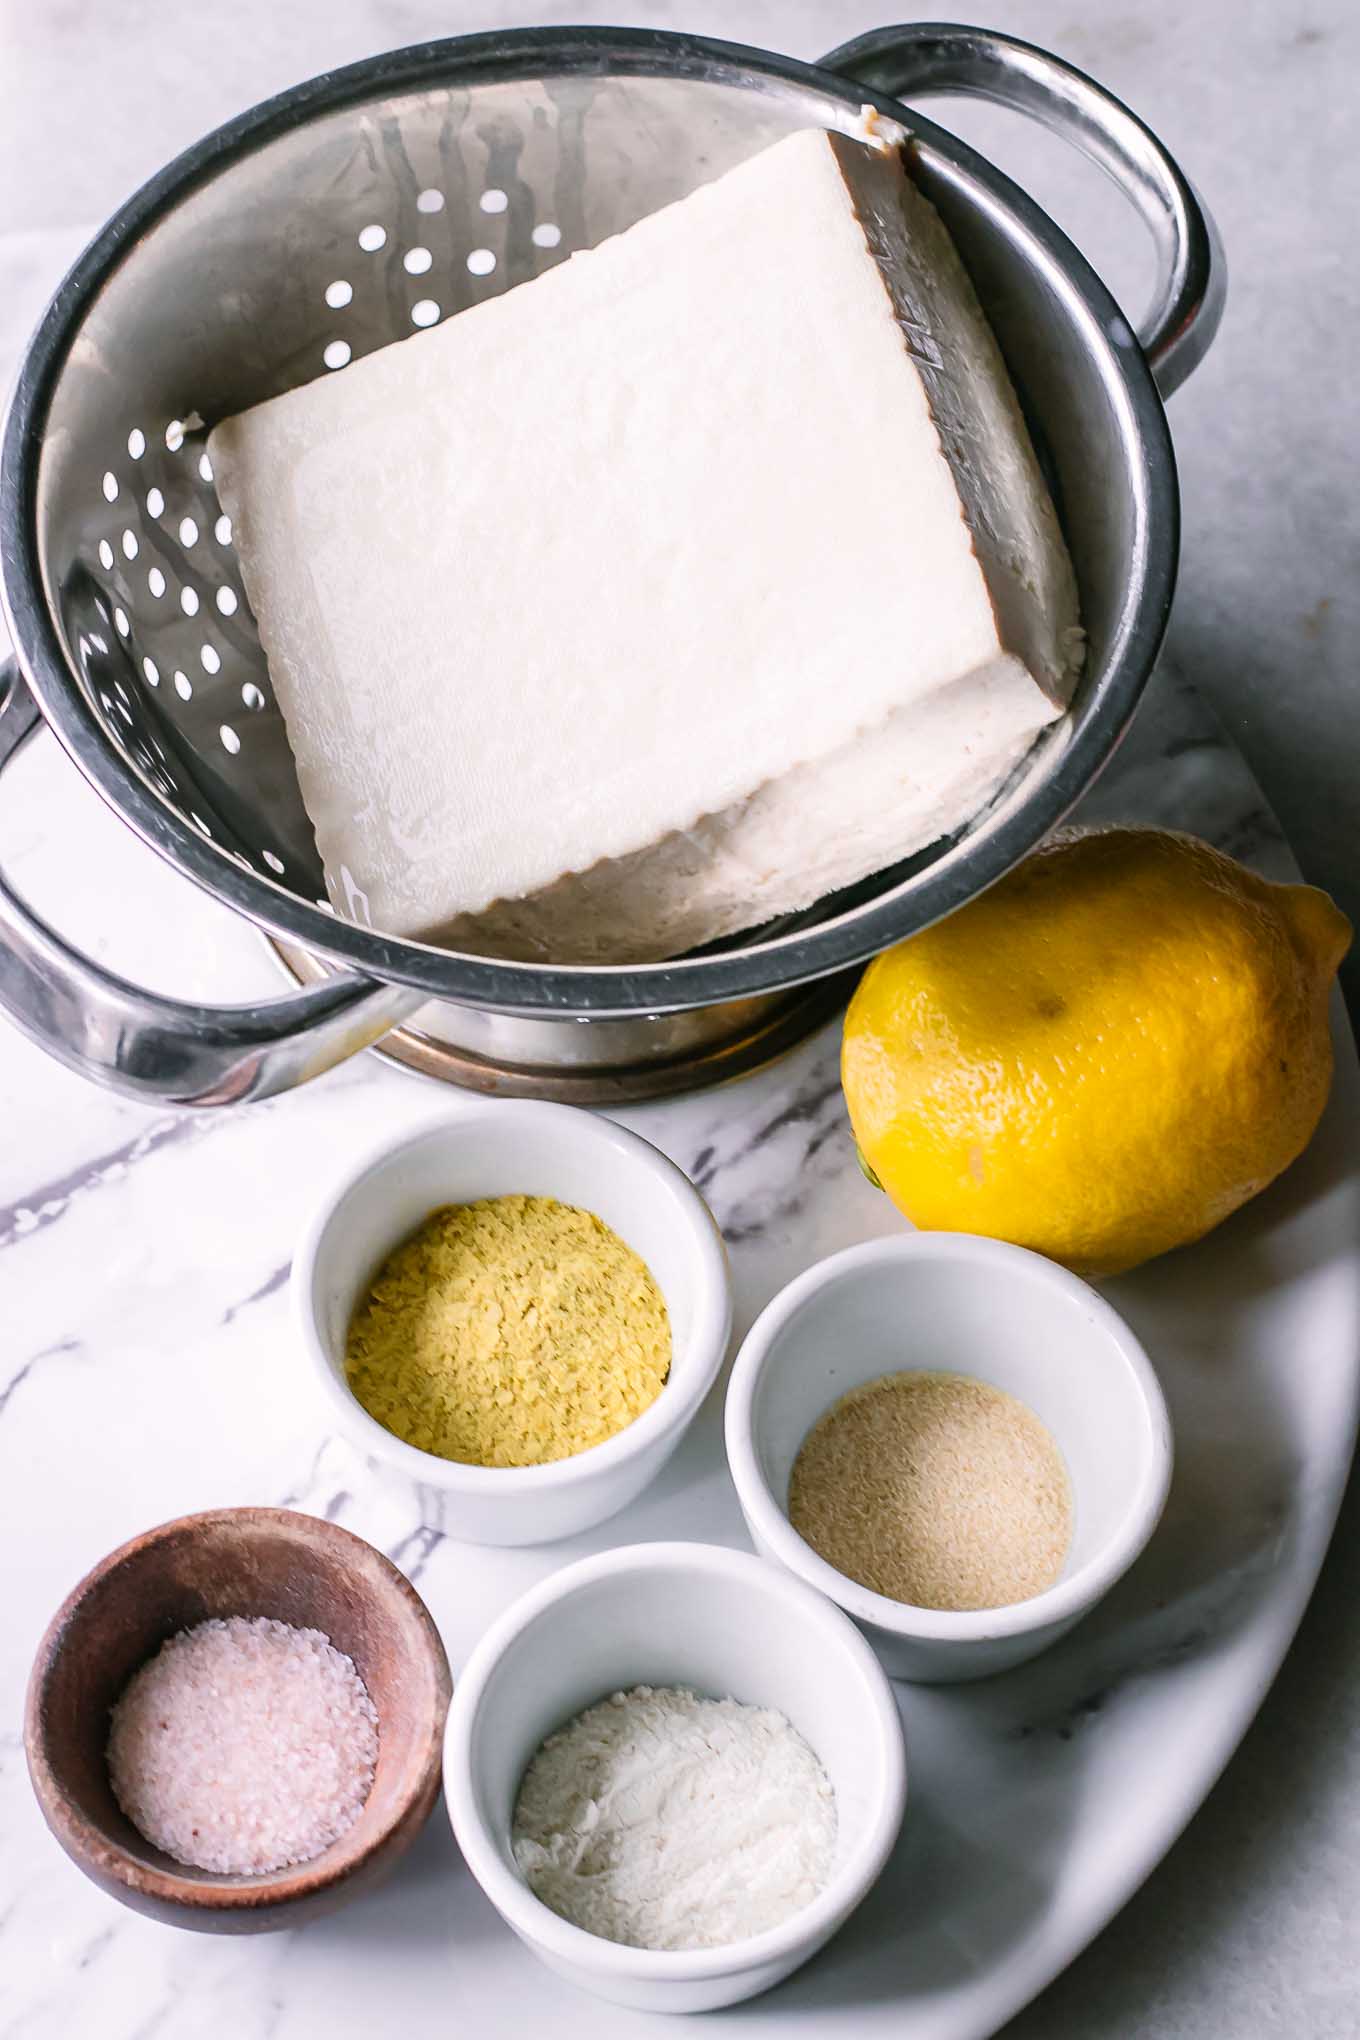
(661, 1819)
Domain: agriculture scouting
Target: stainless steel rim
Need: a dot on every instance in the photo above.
(787, 960)
(791, 1021)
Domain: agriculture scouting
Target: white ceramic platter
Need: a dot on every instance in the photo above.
(151, 1369)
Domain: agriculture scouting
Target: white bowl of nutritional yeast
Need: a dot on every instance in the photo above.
(956, 1303)
(522, 1147)
(728, 1626)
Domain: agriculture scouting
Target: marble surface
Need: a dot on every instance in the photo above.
(145, 1361)
(150, 1368)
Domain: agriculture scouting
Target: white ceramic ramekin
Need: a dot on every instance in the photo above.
(726, 1625)
(957, 1303)
(536, 1150)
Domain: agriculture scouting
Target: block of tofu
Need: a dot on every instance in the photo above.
(915, 777)
(708, 571)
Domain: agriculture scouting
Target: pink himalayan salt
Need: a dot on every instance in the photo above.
(243, 1746)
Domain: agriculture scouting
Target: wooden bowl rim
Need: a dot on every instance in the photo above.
(105, 1857)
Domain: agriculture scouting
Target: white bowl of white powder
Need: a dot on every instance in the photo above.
(713, 1746)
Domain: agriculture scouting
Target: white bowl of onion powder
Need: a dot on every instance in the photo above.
(730, 1728)
(1039, 1387)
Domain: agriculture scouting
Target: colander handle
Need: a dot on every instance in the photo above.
(919, 58)
(158, 1049)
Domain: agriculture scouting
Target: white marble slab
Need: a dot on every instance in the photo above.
(150, 1369)
(145, 1363)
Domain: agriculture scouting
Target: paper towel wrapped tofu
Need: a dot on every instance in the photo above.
(707, 573)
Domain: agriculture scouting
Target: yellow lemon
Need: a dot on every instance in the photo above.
(1101, 1057)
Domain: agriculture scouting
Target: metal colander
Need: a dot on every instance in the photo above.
(346, 215)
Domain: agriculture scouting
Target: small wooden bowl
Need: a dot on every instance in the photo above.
(272, 1562)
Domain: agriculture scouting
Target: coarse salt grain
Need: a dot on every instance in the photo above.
(243, 1746)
